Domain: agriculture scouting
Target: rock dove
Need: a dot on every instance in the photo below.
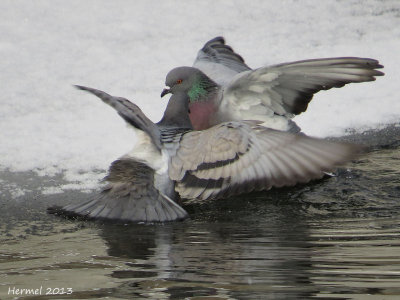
(138, 187)
(221, 87)
(227, 159)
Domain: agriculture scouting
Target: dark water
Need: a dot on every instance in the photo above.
(337, 238)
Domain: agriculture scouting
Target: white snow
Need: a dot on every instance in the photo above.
(127, 47)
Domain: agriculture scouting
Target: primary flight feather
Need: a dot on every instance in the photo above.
(170, 163)
(221, 87)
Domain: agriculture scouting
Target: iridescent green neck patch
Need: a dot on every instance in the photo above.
(197, 91)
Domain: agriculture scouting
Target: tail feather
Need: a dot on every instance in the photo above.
(130, 196)
(124, 209)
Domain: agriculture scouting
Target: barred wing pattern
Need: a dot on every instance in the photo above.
(218, 61)
(286, 89)
(240, 157)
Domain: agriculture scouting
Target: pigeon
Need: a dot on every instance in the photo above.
(221, 87)
(171, 163)
(138, 188)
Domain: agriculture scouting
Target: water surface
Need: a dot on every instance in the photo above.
(338, 238)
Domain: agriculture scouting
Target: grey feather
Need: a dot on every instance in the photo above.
(130, 112)
(130, 196)
(272, 94)
(227, 159)
(250, 158)
(217, 56)
(135, 191)
(287, 88)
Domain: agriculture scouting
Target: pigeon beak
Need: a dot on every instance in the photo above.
(165, 91)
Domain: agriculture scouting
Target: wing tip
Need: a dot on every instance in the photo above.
(96, 92)
(80, 87)
(216, 40)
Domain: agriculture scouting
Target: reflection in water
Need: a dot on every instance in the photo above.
(193, 258)
(338, 238)
(329, 238)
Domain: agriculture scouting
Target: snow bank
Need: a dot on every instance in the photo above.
(127, 47)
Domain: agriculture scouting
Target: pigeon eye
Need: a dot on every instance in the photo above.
(179, 81)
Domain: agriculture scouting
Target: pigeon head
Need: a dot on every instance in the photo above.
(176, 113)
(190, 81)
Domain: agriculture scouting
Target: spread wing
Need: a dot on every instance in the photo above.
(130, 112)
(130, 196)
(286, 89)
(218, 61)
(240, 157)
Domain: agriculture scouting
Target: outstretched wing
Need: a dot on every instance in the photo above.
(130, 196)
(218, 61)
(240, 157)
(286, 89)
(130, 112)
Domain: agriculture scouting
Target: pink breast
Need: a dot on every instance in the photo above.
(201, 114)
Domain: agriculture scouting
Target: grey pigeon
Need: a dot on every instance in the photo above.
(223, 88)
(227, 159)
(138, 188)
